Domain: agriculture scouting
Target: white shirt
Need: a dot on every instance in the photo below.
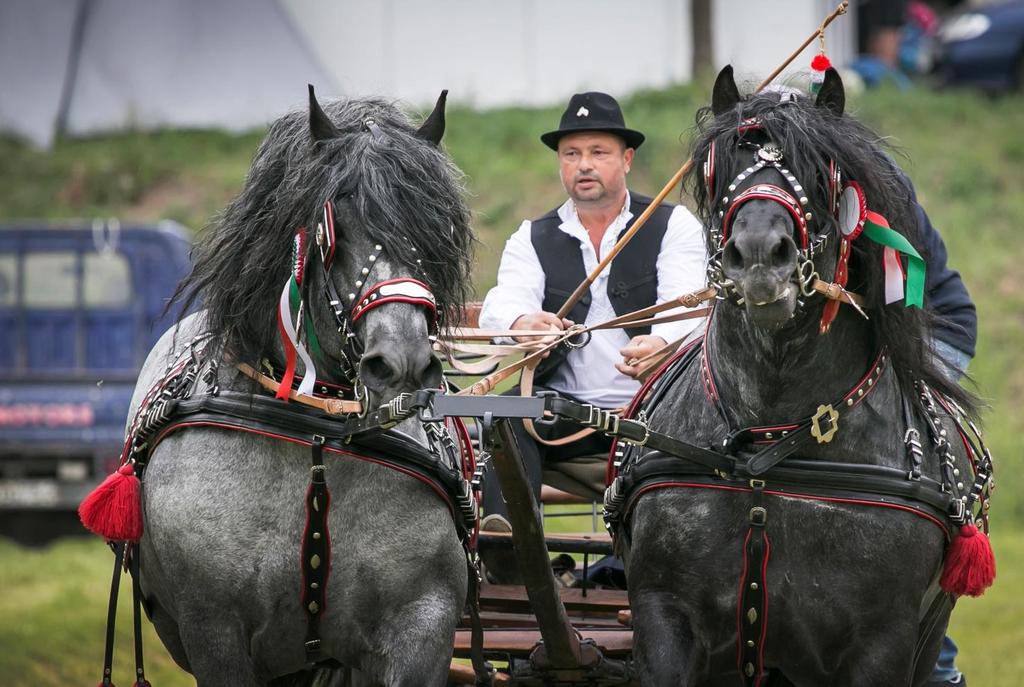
(589, 373)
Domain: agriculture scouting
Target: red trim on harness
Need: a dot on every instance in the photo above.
(271, 435)
(709, 171)
(796, 495)
(764, 607)
(369, 301)
(710, 390)
(773, 193)
(739, 603)
(828, 315)
(325, 240)
(863, 380)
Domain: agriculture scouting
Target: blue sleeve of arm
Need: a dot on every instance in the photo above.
(945, 293)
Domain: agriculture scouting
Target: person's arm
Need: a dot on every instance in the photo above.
(945, 293)
(519, 295)
(682, 268)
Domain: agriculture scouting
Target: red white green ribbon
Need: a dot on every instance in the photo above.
(291, 300)
(877, 229)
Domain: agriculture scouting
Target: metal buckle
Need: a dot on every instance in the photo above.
(638, 442)
(758, 516)
(958, 510)
(825, 411)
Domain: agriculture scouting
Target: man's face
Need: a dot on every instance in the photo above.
(594, 165)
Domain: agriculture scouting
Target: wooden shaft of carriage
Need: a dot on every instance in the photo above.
(585, 285)
(561, 642)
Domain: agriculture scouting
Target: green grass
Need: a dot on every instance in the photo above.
(54, 605)
(964, 154)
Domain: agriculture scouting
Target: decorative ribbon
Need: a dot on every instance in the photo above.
(877, 229)
(291, 299)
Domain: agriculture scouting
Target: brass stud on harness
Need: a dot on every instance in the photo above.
(314, 607)
(314, 562)
(751, 615)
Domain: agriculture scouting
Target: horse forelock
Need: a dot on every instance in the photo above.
(397, 189)
(811, 136)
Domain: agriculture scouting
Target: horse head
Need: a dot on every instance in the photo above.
(352, 238)
(772, 198)
(784, 183)
(400, 246)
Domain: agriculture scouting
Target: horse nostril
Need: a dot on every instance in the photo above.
(375, 372)
(432, 373)
(783, 253)
(732, 258)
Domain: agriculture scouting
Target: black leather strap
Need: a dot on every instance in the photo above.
(753, 598)
(483, 670)
(115, 584)
(140, 669)
(884, 485)
(316, 551)
(637, 433)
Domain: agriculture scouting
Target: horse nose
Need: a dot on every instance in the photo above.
(400, 368)
(775, 251)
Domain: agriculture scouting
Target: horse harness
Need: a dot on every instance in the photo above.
(363, 297)
(189, 396)
(794, 200)
(644, 460)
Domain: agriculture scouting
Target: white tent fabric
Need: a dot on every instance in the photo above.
(96, 65)
(84, 66)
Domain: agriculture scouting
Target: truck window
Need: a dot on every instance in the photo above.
(107, 281)
(8, 281)
(50, 280)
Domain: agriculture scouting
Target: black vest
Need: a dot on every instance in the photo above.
(632, 278)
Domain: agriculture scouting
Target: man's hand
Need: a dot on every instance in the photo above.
(637, 348)
(540, 321)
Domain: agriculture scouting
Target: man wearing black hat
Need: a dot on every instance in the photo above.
(547, 258)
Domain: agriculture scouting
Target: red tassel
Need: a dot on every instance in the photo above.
(820, 62)
(970, 566)
(114, 509)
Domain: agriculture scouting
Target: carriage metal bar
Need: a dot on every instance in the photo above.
(621, 243)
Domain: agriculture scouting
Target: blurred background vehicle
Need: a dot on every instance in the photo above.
(982, 47)
(80, 307)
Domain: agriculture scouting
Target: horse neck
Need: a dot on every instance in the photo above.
(766, 377)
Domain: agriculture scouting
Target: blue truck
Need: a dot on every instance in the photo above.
(80, 307)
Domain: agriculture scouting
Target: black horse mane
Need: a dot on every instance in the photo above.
(810, 136)
(402, 191)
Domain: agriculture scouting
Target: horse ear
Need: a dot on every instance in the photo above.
(832, 94)
(433, 127)
(725, 95)
(320, 125)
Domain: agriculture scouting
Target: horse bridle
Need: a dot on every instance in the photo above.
(793, 199)
(356, 303)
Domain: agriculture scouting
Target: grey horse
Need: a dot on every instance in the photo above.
(224, 510)
(844, 583)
